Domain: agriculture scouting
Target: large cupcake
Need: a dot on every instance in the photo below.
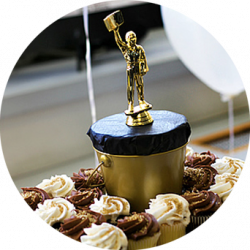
(228, 165)
(201, 177)
(84, 197)
(34, 196)
(55, 210)
(202, 204)
(224, 185)
(87, 178)
(74, 226)
(204, 158)
(105, 236)
(111, 207)
(141, 229)
(173, 215)
(57, 186)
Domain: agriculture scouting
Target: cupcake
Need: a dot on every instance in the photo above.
(34, 196)
(224, 185)
(228, 165)
(83, 180)
(105, 236)
(57, 186)
(202, 204)
(74, 226)
(84, 197)
(198, 178)
(173, 215)
(141, 229)
(111, 207)
(55, 210)
(204, 158)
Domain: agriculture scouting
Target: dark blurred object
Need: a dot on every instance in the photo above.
(65, 37)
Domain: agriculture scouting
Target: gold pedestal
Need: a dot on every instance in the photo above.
(140, 178)
(138, 117)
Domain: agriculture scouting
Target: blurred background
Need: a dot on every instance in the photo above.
(46, 113)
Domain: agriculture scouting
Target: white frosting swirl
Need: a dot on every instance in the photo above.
(105, 236)
(189, 151)
(228, 165)
(55, 210)
(169, 208)
(111, 207)
(57, 186)
(224, 184)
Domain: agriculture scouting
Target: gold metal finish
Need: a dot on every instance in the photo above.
(105, 160)
(137, 67)
(141, 178)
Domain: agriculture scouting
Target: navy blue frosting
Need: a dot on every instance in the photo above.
(168, 131)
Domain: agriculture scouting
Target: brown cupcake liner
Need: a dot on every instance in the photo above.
(196, 221)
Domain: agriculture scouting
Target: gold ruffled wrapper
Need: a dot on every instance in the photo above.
(170, 233)
(145, 242)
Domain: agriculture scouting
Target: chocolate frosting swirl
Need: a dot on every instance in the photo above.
(94, 217)
(204, 158)
(33, 196)
(82, 177)
(84, 197)
(201, 177)
(74, 226)
(139, 225)
(203, 202)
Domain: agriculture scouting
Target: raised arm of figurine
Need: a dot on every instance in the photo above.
(120, 43)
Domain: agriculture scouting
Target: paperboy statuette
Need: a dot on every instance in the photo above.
(137, 67)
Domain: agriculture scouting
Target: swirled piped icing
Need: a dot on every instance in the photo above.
(82, 180)
(111, 207)
(203, 202)
(105, 236)
(204, 158)
(84, 197)
(169, 208)
(189, 151)
(33, 196)
(139, 225)
(57, 186)
(198, 178)
(228, 165)
(74, 226)
(224, 185)
(55, 210)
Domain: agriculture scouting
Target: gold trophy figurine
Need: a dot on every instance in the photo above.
(137, 67)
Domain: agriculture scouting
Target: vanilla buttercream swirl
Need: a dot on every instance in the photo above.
(228, 165)
(57, 186)
(189, 151)
(55, 210)
(105, 236)
(169, 208)
(224, 184)
(111, 206)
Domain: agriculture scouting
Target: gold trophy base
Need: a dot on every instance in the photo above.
(139, 117)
